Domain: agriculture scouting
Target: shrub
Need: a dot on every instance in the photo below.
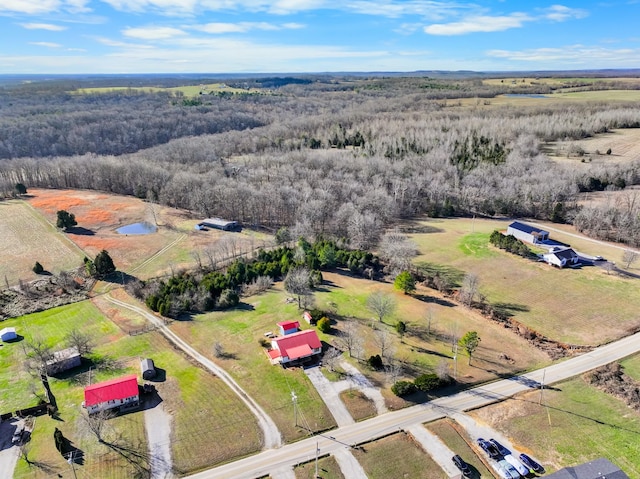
(228, 299)
(37, 268)
(324, 325)
(428, 382)
(375, 362)
(403, 388)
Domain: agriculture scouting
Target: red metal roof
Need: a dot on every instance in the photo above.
(292, 345)
(119, 388)
(286, 325)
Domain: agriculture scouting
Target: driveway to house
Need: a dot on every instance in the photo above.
(262, 464)
(270, 432)
(360, 382)
(157, 422)
(330, 395)
(9, 452)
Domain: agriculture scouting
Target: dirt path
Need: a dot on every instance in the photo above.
(158, 425)
(330, 395)
(437, 449)
(158, 253)
(271, 434)
(349, 465)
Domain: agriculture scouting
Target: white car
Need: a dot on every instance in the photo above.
(521, 468)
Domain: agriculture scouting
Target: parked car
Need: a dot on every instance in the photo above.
(502, 472)
(531, 464)
(489, 448)
(512, 471)
(463, 466)
(501, 449)
(521, 468)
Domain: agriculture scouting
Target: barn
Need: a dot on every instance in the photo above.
(8, 334)
(63, 360)
(527, 233)
(148, 369)
(119, 394)
(219, 223)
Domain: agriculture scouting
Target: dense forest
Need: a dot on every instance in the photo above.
(335, 157)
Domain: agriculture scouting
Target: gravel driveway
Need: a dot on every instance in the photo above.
(9, 453)
(158, 425)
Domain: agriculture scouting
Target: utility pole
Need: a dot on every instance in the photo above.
(294, 398)
(317, 452)
(72, 464)
(455, 362)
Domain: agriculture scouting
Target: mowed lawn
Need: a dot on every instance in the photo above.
(398, 455)
(239, 331)
(579, 423)
(204, 411)
(577, 306)
(26, 237)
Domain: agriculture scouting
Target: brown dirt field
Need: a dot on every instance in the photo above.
(624, 144)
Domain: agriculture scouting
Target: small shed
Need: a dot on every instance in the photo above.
(148, 369)
(8, 334)
(307, 317)
(63, 360)
(288, 327)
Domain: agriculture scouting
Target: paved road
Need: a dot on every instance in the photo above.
(271, 434)
(265, 462)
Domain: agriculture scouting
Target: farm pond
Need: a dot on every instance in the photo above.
(143, 228)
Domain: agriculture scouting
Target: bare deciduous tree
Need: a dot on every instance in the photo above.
(331, 358)
(393, 371)
(386, 342)
(397, 250)
(79, 340)
(350, 340)
(298, 283)
(381, 304)
(469, 289)
(629, 257)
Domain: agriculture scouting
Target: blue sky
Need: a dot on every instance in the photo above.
(245, 36)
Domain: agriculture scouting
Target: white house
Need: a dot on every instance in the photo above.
(8, 334)
(295, 348)
(561, 257)
(527, 233)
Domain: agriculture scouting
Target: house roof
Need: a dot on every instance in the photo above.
(597, 469)
(119, 388)
(286, 325)
(564, 253)
(3, 331)
(298, 345)
(525, 228)
(63, 355)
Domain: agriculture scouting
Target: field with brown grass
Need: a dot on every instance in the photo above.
(624, 145)
(577, 306)
(26, 237)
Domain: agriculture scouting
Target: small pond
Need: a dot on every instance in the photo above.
(143, 228)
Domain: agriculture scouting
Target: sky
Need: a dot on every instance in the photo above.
(305, 36)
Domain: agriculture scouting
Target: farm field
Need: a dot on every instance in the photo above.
(186, 90)
(398, 455)
(577, 306)
(624, 145)
(170, 248)
(26, 237)
(185, 391)
(605, 425)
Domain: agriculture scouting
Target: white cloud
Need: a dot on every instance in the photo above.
(220, 28)
(479, 24)
(32, 7)
(593, 57)
(118, 44)
(153, 33)
(408, 28)
(46, 44)
(560, 13)
(43, 26)
(430, 10)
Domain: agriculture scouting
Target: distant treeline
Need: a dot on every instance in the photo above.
(328, 159)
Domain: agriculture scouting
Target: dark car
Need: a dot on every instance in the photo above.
(531, 464)
(463, 466)
(501, 449)
(489, 448)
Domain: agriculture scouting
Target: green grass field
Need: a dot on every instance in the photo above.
(580, 424)
(328, 468)
(579, 306)
(397, 456)
(203, 409)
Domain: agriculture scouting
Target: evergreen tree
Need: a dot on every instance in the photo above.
(103, 264)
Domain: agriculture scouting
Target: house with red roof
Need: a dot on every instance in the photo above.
(295, 348)
(119, 394)
(288, 327)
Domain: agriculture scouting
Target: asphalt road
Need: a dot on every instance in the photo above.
(267, 461)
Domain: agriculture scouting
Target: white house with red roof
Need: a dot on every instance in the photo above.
(288, 327)
(120, 393)
(295, 348)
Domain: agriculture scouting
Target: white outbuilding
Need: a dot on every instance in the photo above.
(8, 334)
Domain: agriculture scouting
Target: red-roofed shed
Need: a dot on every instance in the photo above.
(288, 327)
(295, 347)
(121, 393)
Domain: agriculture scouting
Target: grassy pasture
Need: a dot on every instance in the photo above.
(458, 443)
(328, 468)
(580, 424)
(624, 145)
(27, 237)
(580, 306)
(203, 409)
(186, 90)
(397, 455)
